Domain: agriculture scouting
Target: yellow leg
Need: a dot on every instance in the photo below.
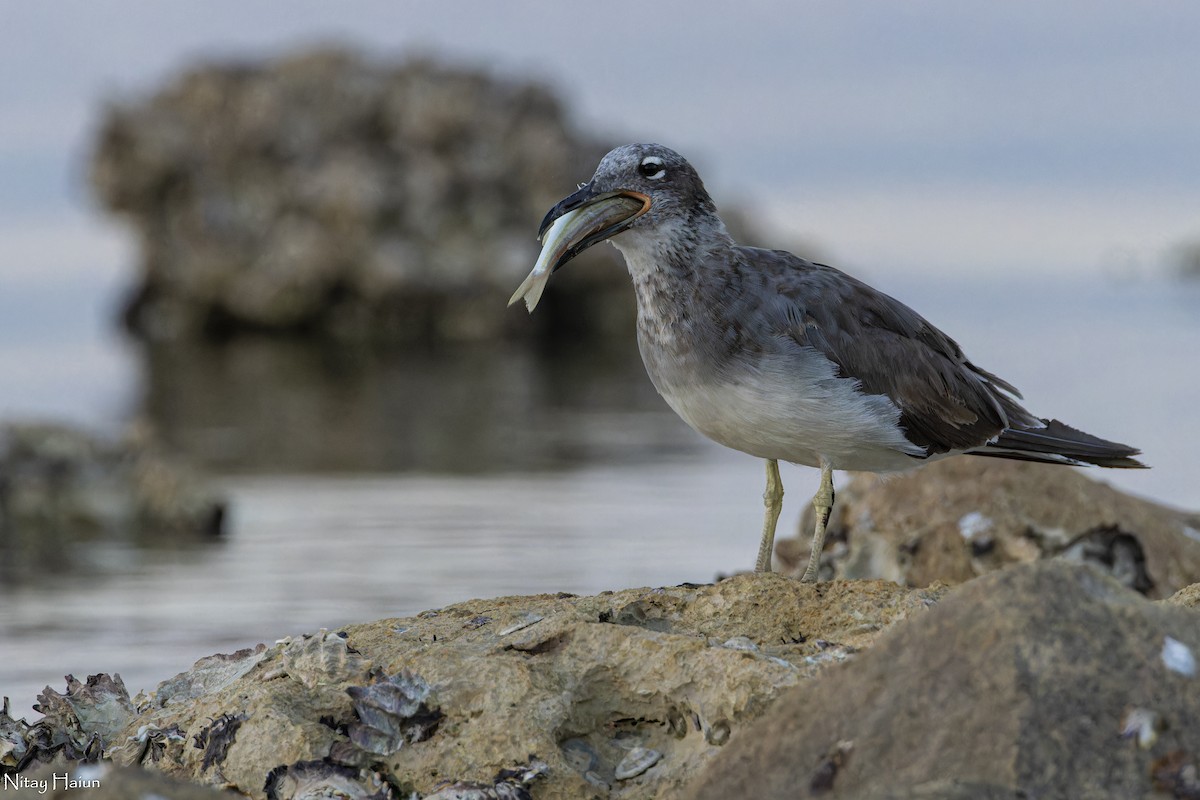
(773, 500)
(822, 504)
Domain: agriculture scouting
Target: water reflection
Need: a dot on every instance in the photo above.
(272, 406)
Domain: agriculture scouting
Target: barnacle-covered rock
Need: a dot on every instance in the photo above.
(208, 675)
(13, 747)
(85, 719)
(323, 780)
(960, 518)
(391, 712)
(622, 694)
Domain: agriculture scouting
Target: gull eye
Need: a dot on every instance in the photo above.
(652, 168)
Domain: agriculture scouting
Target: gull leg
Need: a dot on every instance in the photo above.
(773, 500)
(822, 504)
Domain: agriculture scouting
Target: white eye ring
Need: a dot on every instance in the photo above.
(646, 168)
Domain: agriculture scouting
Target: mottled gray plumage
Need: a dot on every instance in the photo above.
(786, 359)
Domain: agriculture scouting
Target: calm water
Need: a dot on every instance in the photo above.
(387, 484)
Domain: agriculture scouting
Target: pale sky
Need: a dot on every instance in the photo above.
(936, 135)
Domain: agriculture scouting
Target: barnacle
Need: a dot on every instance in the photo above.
(509, 784)
(13, 747)
(392, 711)
(217, 738)
(84, 719)
(321, 780)
(319, 659)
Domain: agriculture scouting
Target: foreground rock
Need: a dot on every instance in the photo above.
(955, 519)
(624, 694)
(1044, 681)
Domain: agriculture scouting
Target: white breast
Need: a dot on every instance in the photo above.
(803, 414)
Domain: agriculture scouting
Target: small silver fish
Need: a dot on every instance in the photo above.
(571, 227)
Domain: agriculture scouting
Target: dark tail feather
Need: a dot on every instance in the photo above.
(1058, 443)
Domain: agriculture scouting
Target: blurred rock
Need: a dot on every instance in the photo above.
(61, 487)
(955, 519)
(624, 694)
(1039, 681)
(1186, 256)
(329, 194)
(66, 780)
(1188, 597)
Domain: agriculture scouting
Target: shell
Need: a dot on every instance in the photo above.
(509, 784)
(580, 755)
(209, 675)
(741, 643)
(676, 722)
(12, 741)
(1142, 724)
(1178, 657)
(391, 712)
(321, 780)
(718, 732)
(88, 714)
(152, 741)
(319, 659)
(636, 761)
(217, 738)
(527, 621)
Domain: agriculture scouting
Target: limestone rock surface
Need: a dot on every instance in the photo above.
(623, 695)
(956, 519)
(1045, 680)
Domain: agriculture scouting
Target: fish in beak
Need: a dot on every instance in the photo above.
(574, 225)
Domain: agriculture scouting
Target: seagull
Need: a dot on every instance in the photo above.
(783, 358)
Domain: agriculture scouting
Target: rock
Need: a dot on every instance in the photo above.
(65, 780)
(1188, 597)
(1186, 258)
(955, 519)
(624, 694)
(60, 485)
(330, 194)
(1021, 683)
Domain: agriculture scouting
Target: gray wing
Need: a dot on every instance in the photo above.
(946, 402)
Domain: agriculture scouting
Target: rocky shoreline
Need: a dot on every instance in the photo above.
(957, 519)
(1063, 664)
(581, 685)
(1044, 678)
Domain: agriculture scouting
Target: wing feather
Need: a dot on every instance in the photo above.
(946, 402)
